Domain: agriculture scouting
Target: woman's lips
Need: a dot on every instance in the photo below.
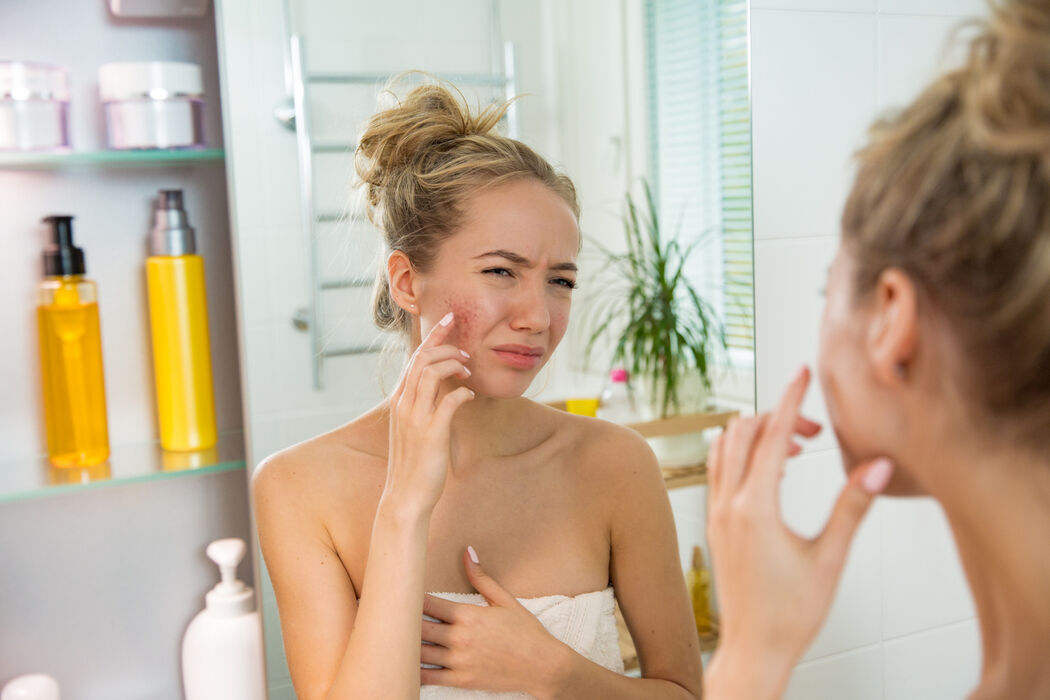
(519, 357)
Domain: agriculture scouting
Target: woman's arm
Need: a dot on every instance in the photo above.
(646, 573)
(343, 643)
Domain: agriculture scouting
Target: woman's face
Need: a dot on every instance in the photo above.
(865, 413)
(507, 274)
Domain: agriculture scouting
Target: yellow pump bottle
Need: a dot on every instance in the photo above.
(71, 355)
(179, 325)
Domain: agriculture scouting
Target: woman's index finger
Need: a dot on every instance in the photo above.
(439, 332)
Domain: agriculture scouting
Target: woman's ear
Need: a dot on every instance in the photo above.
(893, 334)
(404, 281)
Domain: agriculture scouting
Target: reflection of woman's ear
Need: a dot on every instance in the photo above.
(894, 331)
(403, 281)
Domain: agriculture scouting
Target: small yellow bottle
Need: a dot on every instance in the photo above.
(699, 582)
(179, 323)
(71, 355)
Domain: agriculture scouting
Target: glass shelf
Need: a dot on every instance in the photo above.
(35, 477)
(127, 159)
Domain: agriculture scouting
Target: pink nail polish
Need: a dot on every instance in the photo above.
(446, 319)
(878, 476)
(798, 374)
(473, 555)
(465, 354)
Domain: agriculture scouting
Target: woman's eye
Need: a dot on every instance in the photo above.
(564, 282)
(499, 272)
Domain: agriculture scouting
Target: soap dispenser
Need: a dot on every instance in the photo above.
(222, 651)
(71, 354)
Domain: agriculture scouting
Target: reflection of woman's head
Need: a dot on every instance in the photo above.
(484, 226)
(954, 192)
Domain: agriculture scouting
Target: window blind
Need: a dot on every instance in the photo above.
(700, 148)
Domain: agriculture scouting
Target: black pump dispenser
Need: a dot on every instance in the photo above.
(61, 257)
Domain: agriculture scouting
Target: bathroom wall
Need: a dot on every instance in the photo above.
(902, 626)
(98, 585)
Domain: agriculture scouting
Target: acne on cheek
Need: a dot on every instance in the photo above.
(466, 315)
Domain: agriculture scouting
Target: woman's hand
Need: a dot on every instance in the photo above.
(774, 587)
(421, 418)
(500, 648)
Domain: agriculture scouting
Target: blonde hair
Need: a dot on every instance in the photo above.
(420, 161)
(955, 191)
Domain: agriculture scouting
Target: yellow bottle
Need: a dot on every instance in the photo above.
(71, 355)
(699, 582)
(179, 323)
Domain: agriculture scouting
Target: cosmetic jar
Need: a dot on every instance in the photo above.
(152, 105)
(34, 107)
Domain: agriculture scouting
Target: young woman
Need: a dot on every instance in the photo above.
(357, 525)
(935, 367)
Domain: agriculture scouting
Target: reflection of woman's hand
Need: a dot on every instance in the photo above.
(774, 587)
(494, 648)
(421, 419)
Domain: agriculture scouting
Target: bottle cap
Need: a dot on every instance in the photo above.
(61, 257)
(230, 597)
(172, 234)
(618, 375)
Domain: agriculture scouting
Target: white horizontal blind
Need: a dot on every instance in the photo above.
(700, 147)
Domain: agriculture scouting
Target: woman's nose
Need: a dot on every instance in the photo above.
(530, 310)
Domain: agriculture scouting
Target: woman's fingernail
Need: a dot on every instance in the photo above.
(798, 374)
(473, 555)
(877, 476)
(467, 371)
(465, 354)
(446, 319)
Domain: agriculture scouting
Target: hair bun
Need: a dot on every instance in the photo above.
(1006, 82)
(429, 121)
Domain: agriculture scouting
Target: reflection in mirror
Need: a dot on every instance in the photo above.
(615, 95)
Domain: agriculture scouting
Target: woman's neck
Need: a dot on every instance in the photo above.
(997, 501)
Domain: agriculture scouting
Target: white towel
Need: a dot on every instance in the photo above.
(585, 622)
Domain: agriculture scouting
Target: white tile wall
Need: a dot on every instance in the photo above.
(941, 664)
(789, 279)
(902, 625)
(813, 92)
(955, 8)
(816, 5)
(923, 578)
(909, 60)
(854, 675)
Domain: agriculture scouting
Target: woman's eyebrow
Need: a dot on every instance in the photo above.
(525, 262)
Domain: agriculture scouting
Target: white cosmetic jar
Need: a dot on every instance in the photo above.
(152, 105)
(34, 107)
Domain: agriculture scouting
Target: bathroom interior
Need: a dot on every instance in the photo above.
(743, 115)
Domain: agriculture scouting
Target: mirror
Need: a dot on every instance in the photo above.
(614, 92)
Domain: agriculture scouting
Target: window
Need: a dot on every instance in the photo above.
(700, 149)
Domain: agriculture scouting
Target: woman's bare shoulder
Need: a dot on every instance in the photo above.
(330, 461)
(599, 447)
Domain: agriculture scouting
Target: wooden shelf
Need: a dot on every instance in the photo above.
(677, 478)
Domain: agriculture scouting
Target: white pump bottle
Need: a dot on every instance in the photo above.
(222, 652)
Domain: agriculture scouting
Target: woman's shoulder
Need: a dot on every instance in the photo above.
(331, 460)
(597, 446)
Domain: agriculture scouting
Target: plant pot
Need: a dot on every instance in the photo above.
(687, 449)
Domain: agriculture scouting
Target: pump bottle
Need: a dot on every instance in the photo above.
(71, 354)
(222, 652)
(179, 326)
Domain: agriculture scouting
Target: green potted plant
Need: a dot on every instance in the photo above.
(659, 327)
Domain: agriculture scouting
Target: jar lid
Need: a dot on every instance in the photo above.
(155, 80)
(23, 80)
